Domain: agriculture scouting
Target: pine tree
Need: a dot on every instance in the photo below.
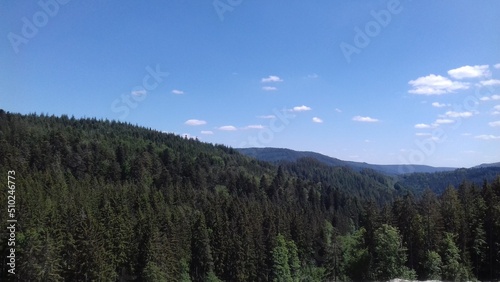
(451, 210)
(390, 255)
(432, 266)
(201, 254)
(491, 198)
(409, 222)
(281, 268)
(293, 261)
(452, 268)
(354, 261)
(429, 206)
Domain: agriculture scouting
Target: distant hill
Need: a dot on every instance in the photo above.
(104, 200)
(280, 154)
(439, 181)
(158, 203)
(488, 165)
(412, 177)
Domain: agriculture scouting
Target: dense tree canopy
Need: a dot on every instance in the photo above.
(102, 200)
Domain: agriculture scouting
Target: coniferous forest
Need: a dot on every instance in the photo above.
(99, 200)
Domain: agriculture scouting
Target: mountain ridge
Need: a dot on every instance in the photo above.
(282, 154)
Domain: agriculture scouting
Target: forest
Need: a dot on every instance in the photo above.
(100, 200)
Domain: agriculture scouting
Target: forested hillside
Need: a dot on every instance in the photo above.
(108, 201)
(277, 155)
(395, 176)
(439, 181)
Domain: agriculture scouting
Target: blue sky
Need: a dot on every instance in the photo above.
(386, 82)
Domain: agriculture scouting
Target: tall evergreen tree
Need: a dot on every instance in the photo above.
(390, 255)
(452, 268)
(281, 267)
(201, 254)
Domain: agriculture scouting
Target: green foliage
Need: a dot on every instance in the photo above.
(211, 277)
(201, 254)
(390, 255)
(432, 266)
(439, 181)
(152, 273)
(281, 266)
(452, 268)
(354, 257)
(108, 201)
(312, 273)
(184, 274)
(293, 260)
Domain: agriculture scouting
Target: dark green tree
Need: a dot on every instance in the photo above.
(281, 268)
(390, 255)
(452, 268)
(432, 266)
(201, 254)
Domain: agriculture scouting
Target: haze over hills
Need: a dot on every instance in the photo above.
(489, 165)
(415, 178)
(281, 154)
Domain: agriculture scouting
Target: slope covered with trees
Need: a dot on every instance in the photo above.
(107, 201)
(280, 154)
(439, 181)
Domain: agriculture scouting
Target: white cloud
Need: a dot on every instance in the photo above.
(267, 116)
(495, 123)
(254, 126)
(458, 114)
(312, 75)
(470, 72)
(177, 92)
(317, 120)
(227, 128)
(492, 97)
(496, 110)
(438, 105)
(490, 82)
(338, 110)
(194, 122)
(364, 119)
(271, 78)
(269, 88)
(423, 134)
(139, 93)
(300, 108)
(422, 126)
(497, 66)
(435, 85)
(444, 121)
(487, 137)
(207, 132)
